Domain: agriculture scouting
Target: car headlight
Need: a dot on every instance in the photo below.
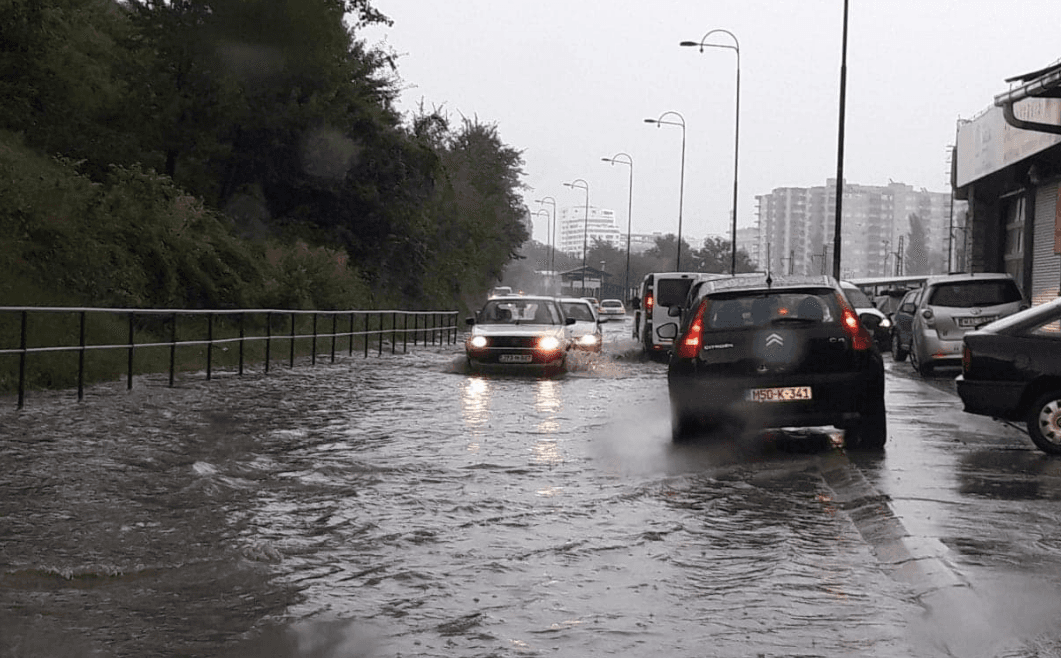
(477, 342)
(588, 339)
(885, 323)
(549, 343)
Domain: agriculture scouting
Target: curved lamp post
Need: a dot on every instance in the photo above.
(629, 210)
(681, 188)
(583, 185)
(552, 236)
(735, 47)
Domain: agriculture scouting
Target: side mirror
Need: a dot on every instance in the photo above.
(570, 321)
(669, 330)
(469, 321)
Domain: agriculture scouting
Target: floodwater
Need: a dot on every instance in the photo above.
(397, 506)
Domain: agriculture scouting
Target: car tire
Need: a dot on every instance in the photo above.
(923, 369)
(898, 353)
(1044, 422)
(681, 427)
(870, 431)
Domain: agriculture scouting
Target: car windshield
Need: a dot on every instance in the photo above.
(577, 310)
(761, 309)
(968, 294)
(523, 311)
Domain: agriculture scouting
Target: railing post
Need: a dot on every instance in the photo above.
(173, 350)
(129, 374)
(416, 328)
(242, 335)
(81, 360)
(351, 349)
(379, 317)
(434, 328)
(405, 334)
(394, 332)
(335, 324)
(268, 340)
(313, 355)
(22, 362)
(292, 356)
(366, 335)
(209, 344)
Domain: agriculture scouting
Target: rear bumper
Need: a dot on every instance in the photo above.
(837, 399)
(991, 398)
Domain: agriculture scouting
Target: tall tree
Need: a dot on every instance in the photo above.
(917, 253)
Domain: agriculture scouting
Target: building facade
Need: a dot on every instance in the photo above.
(574, 229)
(797, 225)
(1008, 166)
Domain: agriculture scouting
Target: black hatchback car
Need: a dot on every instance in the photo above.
(758, 352)
(1011, 369)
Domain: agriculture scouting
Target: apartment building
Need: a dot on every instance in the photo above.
(573, 229)
(796, 227)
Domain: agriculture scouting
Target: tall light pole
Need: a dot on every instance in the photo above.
(629, 210)
(681, 188)
(736, 131)
(548, 223)
(840, 153)
(552, 237)
(585, 227)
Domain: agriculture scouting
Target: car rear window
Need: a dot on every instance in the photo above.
(764, 308)
(672, 291)
(967, 294)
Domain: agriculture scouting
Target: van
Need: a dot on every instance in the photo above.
(659, 292)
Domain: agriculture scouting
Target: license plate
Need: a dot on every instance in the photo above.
(515, 358)
(972, 322)
(780, 394)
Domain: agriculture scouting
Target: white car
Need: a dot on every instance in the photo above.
(612, 309)
(518, 334)
(585, 333)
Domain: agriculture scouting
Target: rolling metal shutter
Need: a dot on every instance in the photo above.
(1046, 265)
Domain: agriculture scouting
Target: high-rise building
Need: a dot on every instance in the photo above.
(796, 227)
(573, 229)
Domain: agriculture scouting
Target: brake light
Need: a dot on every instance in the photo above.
(689, 344)
(860, 338)
(648, 302)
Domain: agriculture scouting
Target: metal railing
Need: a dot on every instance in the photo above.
(369, 326)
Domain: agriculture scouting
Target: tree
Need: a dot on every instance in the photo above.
(917, 254)
(716, 256)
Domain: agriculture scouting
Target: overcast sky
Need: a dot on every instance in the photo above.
(568, 82)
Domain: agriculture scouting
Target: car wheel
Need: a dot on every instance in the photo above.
(870, 432)
(1044, 422)
(681, 427)
(898, 353)
(923, 369)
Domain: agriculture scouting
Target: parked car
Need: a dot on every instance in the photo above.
(612, 309)
(761, 352)
(949, 306)
(903, 325)
(875, 321)
(1011, 369)
(518, 334)
(585, 332)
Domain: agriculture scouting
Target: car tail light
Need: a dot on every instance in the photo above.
(860, 338)
(648, 302)
(689, 344)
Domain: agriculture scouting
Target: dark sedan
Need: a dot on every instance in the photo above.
(1011, 369)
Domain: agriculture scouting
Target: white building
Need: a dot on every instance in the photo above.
(574, 231)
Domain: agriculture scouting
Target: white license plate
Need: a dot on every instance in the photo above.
(515, 358)
(972, 322)
(780, 394)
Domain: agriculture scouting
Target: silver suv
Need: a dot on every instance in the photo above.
(949, 306)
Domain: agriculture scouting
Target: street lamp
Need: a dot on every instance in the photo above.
(629, 209)
(552, 237)
(548, 221)
(681, 188)
(585, 230)
(736, 131)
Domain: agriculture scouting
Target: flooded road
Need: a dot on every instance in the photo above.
(396, 506)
